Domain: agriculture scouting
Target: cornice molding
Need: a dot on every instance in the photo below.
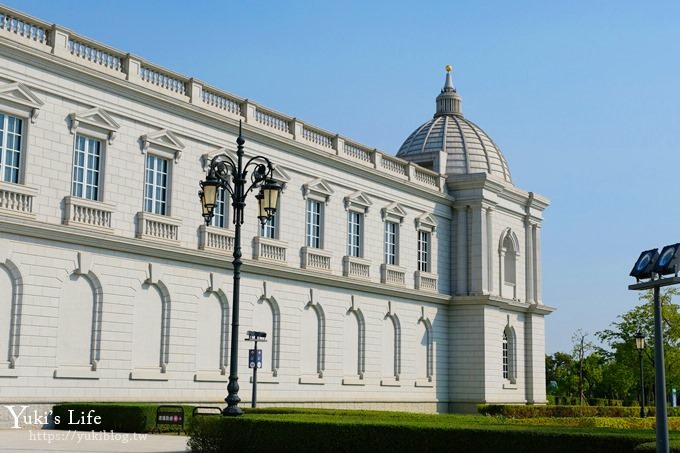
(146, 249)
(139, 93)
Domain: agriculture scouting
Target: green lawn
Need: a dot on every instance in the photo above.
(302, 430)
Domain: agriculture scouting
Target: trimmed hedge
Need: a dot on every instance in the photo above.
(574, 401)
(119, 417)
(528, 411)
(251, 434)
(674, 447)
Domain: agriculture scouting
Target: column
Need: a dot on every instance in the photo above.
(529, 261)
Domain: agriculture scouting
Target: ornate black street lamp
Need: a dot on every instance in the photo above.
(232, 176)
(640, 346)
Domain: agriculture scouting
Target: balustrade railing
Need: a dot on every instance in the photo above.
(425, 281)
(87, 213)
(214, 238)
(17, 199)
(356, 267)
(269, 250)
(317, 259)
(157, 227)
(426, 177)
(394, 165)
(392, 275)
(24, 28)
(162, 79)
(89, 52)
(65, 44)
(357, 153)
(272, 120)
(220, 101)
(320, 138)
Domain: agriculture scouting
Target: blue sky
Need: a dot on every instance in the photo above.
(582, 98)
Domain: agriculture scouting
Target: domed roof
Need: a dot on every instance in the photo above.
(468, 149)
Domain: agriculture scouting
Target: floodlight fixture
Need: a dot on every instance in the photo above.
(254, 335)
(668, 262)
(645, 264)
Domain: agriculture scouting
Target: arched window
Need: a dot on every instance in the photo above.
(510, 274)
(508, 251)
(506, 368)
(509, 355)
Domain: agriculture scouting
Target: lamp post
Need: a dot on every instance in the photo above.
(654, 267)
(640, 346)
(232, 176)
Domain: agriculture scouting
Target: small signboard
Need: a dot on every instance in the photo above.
(169, 415)
(255, 358)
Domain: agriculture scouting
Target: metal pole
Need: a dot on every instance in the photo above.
(238, 203)
(254, 399)
(642, 387)
(661, 412)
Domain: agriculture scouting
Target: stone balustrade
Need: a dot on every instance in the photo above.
(425, 281)
(356, 267)
(392, 275)
(17, 199)
(217, 239)
(65, 44)
(157, 227)
(87, 213)
(266, 249)
(317, 259)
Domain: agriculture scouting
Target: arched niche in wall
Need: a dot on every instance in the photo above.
(212, 333)
(151, 328)
(79, 323)
(354, 345)
(312, 341)
(391, 348)
(11, 290)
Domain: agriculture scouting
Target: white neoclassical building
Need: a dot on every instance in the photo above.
(410, 282)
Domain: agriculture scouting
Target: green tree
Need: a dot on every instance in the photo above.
(621, 374)
(559, 368)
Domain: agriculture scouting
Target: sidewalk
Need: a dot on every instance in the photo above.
(47, 440)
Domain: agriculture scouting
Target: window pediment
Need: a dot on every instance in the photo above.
(19, 94)
(393, 212)
(96, 118)
(164, 141)
(280, 175)
(317, 189)
(426, 222)
(208, 157)
(357, 201)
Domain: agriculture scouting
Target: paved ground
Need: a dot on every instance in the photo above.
(48, 440)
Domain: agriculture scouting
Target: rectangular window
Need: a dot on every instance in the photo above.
(11, 133)
(86, 168)
(220, 213)
(423, 251)
(314, 218)
(391, 229)
(156, 185)
(268, 230)
(354, 220)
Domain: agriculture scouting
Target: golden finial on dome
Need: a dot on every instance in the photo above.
(448, 68)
